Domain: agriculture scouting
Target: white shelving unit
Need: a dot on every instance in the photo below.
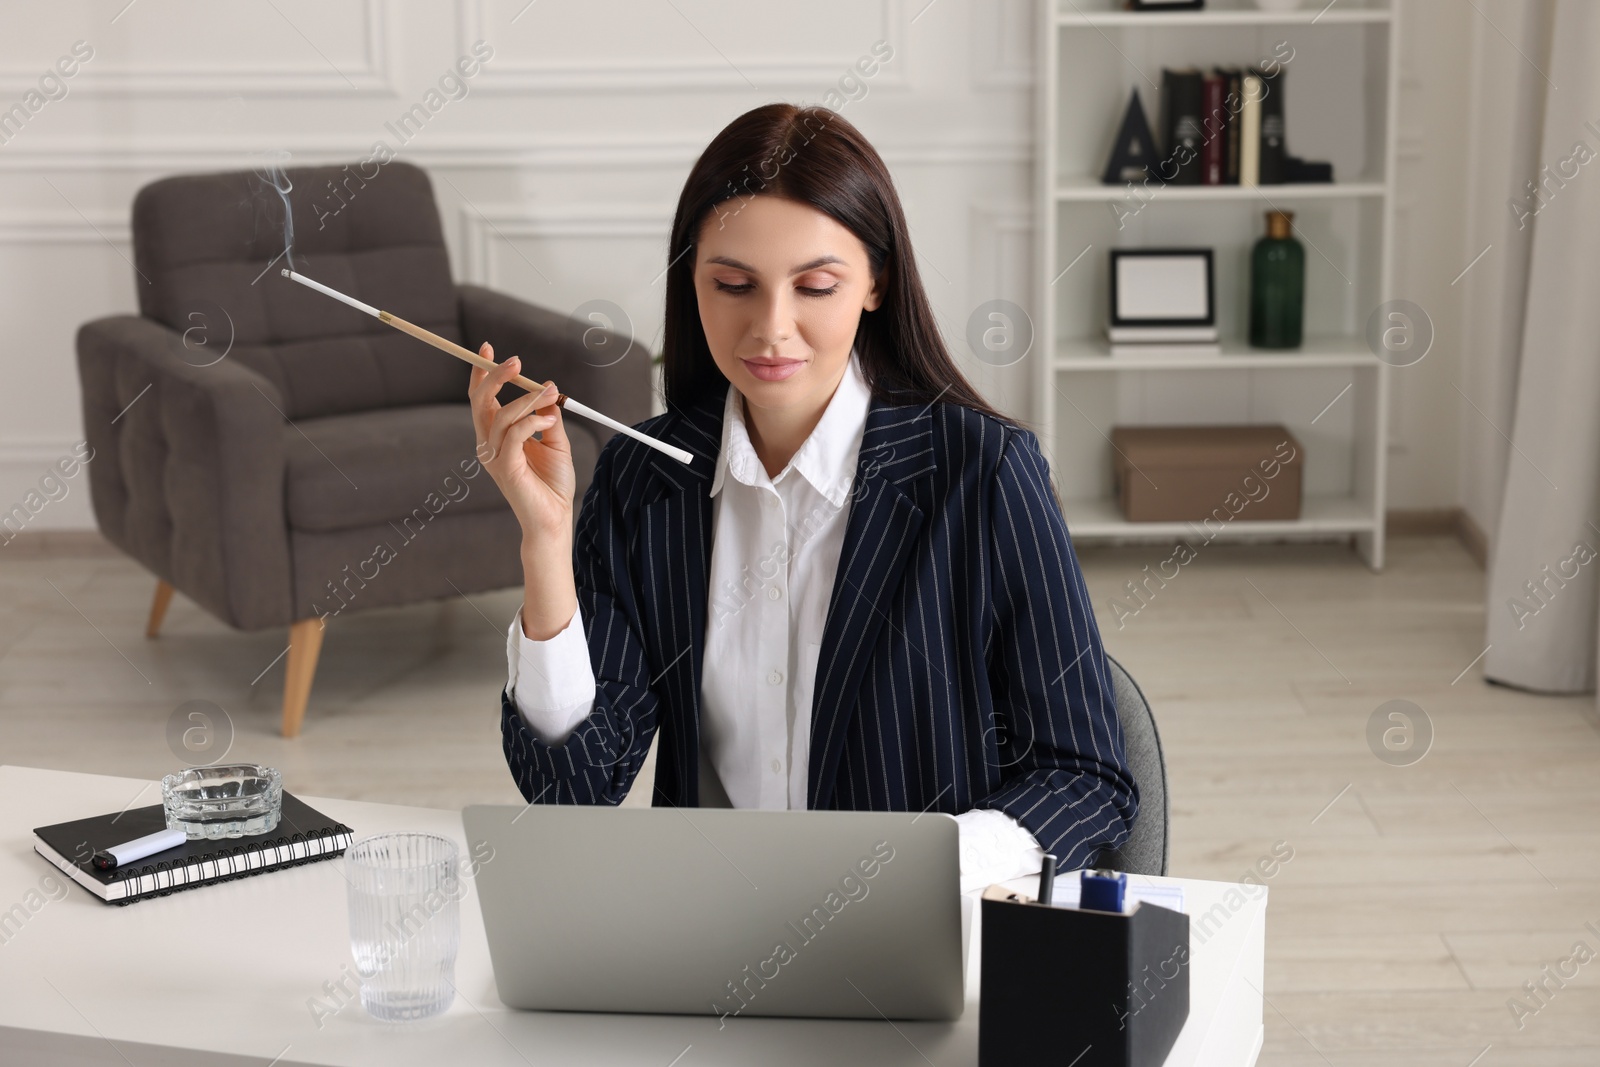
(1340, 90)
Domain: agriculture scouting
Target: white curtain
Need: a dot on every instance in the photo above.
(1544, 596)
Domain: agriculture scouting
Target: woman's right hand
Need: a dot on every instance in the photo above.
(538, 481)
(535, 476)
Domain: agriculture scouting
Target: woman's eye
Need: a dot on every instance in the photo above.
(737, 288)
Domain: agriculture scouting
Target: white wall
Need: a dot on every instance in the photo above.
(556, 175)
(1430, 248)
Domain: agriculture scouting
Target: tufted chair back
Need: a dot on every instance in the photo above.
(375, 238)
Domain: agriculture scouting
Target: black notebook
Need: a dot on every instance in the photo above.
(303, 835)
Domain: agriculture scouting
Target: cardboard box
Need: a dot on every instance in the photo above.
(1194, 473)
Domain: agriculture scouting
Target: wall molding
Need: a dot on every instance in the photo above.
(36, 451)
(165, 155)
(716, 72)
(481, 225)
(60, 543)
(1440, 522)
(23, 463)
(1000, 239)
(66, 227)
(374, 78)
(1002, 49)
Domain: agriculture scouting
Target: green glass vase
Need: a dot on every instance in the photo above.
(1277, 285)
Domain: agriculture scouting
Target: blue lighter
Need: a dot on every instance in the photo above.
(1102, 890)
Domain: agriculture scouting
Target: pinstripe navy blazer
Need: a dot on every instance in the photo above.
(960, 666)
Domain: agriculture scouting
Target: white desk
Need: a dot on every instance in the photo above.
(223, 974)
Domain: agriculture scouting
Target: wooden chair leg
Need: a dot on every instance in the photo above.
(305, 644)
(158, 608)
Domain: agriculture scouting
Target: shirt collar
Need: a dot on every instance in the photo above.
(826, 459)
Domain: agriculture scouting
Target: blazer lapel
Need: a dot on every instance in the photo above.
(879, 537)
(675, 527)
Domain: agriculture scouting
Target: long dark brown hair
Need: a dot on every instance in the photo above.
(813, 156)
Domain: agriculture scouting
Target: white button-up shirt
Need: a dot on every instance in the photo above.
(774, 557)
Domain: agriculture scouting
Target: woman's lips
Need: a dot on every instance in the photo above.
(772, 372)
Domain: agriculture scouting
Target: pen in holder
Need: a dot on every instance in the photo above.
(1113, 984)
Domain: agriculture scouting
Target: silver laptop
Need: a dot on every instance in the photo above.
(834, 914)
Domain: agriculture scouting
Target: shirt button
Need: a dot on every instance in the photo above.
(773, 592)
(776, 677)
(777, 766)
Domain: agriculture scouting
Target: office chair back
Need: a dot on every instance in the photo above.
(1147, 849)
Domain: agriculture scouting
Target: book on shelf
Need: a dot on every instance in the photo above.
(1214, 156)
(1222, 127)
(1250, 129)
(303, 835)
(1160, 334)
(1232, 101)
(1182, 133)
(1272, 150)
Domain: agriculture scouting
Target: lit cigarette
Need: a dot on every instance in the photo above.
(563, 401)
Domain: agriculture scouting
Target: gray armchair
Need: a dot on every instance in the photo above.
(280, 458)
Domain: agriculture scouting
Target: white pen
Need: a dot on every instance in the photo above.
(110, 859)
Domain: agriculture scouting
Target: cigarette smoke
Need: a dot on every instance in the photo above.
(271, 172)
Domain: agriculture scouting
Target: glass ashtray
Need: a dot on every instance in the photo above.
(227, 800)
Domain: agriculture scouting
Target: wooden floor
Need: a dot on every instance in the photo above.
(1418, 901)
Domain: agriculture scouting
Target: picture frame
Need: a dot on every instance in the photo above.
(1163, 287)
(1166, 5)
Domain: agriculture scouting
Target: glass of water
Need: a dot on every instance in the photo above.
(405, 922)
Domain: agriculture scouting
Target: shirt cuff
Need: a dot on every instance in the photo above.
(994, 848)
(551, 682)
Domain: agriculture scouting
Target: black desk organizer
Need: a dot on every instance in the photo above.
(1110, 989)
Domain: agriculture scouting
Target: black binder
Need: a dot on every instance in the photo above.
(303, 835)
(1111, 989)
(1273, 153)
(1182, 125)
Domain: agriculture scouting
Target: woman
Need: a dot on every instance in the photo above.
(860, 594)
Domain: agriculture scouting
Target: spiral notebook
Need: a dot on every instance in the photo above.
(303, 835)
